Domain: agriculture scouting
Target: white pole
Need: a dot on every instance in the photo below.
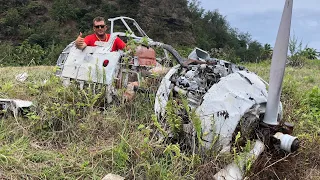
(278, 64)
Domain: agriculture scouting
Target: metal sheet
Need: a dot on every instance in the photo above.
(226, 102)
(236, 171)
(14, 105)
(87, 65)
(163, 92)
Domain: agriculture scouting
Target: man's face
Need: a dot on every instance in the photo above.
(99, 28)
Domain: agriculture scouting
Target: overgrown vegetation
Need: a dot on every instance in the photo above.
(299, 55)
(66, 135)
(71, 133)
(300, 99)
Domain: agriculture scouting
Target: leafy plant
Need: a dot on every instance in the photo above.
(299, 55)
(311, 111)
(172, 117)
(310, 53)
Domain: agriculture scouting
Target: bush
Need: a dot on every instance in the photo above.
(11, 22)
(25, 54)
(29, 54)
(297, 60)
(310, 121)
(6, 54)
(62, 10)
(298, 56)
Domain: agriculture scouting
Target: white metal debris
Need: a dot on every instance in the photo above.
(235, 171)
(14, 105)
(163, 92)
(225, 103)
(86, 65)
(22, 77)
(112, 177)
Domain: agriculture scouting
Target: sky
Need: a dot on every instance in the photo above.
(261, 18)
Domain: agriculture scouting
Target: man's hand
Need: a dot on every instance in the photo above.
(80, 44)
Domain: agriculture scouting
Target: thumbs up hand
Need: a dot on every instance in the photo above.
(80, 44)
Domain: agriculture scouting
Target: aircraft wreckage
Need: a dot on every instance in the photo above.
(226, 98)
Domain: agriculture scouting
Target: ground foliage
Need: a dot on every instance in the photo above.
(68, 135)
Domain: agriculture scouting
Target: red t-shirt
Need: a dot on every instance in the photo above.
(117, 45)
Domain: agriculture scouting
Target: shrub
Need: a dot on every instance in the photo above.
(310, 121)
(27, 54)
(10, 22)
(62, 10)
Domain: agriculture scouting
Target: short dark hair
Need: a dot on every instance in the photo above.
(98, 19)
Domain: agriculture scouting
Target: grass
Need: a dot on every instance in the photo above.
(304, 164)
(65, 136)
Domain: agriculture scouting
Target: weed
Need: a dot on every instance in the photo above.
(67, 135)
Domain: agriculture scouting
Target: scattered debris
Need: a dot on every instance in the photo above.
(22, 77)
(112, 177)
(13, 105)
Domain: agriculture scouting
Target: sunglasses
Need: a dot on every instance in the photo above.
(100, 26)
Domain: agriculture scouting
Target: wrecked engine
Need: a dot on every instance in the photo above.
(195, 80)
(227, 99)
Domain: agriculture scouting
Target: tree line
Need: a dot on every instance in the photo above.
(35, 32)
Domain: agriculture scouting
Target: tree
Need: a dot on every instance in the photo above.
(296, 57)
(267, 52)
(63, 10)
(254, 52)
(310, 53)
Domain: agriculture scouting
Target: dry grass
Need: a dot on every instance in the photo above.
(10, 88)
(99, 142)
(305, 163)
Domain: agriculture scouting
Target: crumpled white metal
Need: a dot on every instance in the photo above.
(163, 92)
(22, 77)
(225, 103)
(236, 171)
(14, 105)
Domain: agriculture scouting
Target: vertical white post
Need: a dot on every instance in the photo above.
(278, 64)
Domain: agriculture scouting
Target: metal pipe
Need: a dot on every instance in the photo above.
(278, 64)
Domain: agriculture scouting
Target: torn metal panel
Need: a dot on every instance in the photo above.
(226, 102)
(87, 65)
(14, 105)
(235, 171)
(163, 92)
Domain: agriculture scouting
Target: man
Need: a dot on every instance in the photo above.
(99, 28)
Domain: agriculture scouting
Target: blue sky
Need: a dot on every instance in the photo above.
(261, 18)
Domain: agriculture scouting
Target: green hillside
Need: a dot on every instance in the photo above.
(35, 31)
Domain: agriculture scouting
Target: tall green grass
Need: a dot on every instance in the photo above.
(66, 135)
